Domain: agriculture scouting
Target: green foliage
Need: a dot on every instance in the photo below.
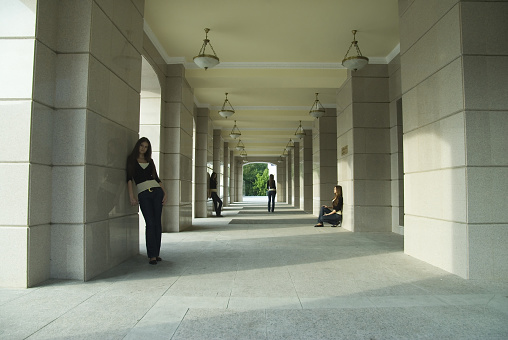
(260, 184)
(251, 173)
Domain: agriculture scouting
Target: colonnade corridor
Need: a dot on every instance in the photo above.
(259, 275)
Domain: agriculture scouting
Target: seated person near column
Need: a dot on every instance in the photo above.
(333, 214)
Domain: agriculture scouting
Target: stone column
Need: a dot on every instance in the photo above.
(95, 126)
(225, 176)
(239, 179)
(396, 147)
(296, 175)
(324, 151)
(201, 180)
(176, 169)
(281, 180)
(306, 184)
(363, 149)
(81, 119)
(232, 185)
(289, 177)
(218, 159)
(454, 63)
(25, 104)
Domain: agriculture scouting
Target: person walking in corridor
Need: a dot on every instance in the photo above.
(332, 214)
(151, 194)
(217, 202)
(271, 192)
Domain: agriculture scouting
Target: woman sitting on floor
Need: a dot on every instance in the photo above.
(332, 214)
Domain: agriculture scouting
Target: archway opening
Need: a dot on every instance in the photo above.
(255, 177)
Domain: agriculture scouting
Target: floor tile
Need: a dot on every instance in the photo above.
(337, 302)
(205, 324)
(247, 303)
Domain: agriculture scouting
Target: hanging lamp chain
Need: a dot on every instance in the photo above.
(206, 42)
(300, 130)
(355, 44)
(316, 102)
(227, 102)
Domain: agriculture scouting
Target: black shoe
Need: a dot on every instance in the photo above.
(153, 262)
(318, 225)
(158, 259)
(219, 216)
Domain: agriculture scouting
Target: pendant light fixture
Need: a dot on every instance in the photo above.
(240, 145)
(300, 132)
(204, 60)
(235, 132)
(284, 153)
(354, 62)
(317, 110)
(227, 111)
(243, 153)
(290, 145)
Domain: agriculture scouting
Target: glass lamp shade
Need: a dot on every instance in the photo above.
(317, 112)
(235, 132)
(227, 109)
(355, 63)
(290, 147)
(206, 61)
(300, 134)
(226, 113)
(240, 146)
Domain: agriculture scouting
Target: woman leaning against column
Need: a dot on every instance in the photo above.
(151, 194)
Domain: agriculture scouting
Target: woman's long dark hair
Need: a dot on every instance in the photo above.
(338, 193)
(271, 181)
(132, 159)
(135, 151)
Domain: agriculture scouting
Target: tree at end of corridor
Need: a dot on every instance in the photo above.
(255, 176)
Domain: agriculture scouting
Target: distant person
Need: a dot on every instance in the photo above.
(271, 192)
(212, 192)
(151, 194)
(332, 214)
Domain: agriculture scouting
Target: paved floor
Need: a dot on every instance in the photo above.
(264, 276)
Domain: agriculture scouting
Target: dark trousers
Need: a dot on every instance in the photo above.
(332, 219)
(271, 197)
(217, 203)
(150, 203)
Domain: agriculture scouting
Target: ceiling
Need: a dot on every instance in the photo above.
(274, 56)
